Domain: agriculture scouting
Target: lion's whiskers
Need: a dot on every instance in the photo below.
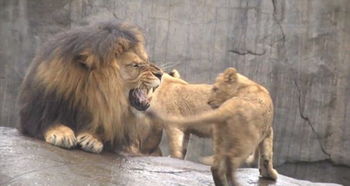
(169, 65)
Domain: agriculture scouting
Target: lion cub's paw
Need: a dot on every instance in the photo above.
(61, 136)
(273, 174)
(89, 143)
(269, 173)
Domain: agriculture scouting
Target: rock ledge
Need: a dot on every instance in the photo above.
(27, 161)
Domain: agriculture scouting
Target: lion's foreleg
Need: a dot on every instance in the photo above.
(133, 149)
(89, 142)
(60, 135)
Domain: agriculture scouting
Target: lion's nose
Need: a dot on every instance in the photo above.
(158, 75)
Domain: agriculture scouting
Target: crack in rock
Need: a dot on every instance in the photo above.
(278, 22)
(307, 120)
(162, 172)
(243, 53)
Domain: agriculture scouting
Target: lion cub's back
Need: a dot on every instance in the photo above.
(191, 99)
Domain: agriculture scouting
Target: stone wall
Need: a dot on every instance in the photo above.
(300, 50)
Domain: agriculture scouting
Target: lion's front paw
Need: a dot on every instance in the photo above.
(61, 136)
(89, 143)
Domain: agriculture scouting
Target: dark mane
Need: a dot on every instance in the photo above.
(59, 94)
(103, 40)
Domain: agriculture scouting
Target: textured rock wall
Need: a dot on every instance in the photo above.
(300, 50)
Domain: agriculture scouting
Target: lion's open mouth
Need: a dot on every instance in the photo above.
(138, 99)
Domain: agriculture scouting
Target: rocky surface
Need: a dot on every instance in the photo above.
(27, 161)
(298, 49)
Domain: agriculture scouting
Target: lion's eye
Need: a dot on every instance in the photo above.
(136, 65)
(215, 89)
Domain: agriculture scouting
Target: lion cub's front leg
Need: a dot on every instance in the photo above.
(176, 139)
(60, 135)
(89, 142)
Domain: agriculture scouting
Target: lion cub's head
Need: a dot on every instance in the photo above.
(225, 87)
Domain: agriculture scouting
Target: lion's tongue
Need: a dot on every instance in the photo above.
(138, 99)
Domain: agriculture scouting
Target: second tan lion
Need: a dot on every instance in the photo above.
(243, 114)
(176, 96)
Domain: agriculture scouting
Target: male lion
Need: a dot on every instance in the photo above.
(176, 96)
(77, 88)
(242, 114)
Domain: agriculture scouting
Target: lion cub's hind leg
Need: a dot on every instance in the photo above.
(89, 142)
(222, 171)
(265, 162)
(218, 170)
(61, 136)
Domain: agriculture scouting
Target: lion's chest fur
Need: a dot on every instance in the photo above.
(107, 104)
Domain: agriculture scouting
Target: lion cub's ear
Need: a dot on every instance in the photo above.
(230, 75)
(174, 73)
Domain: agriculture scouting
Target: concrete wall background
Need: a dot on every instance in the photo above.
(300, 50)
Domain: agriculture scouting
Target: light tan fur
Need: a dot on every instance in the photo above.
(243, 123)
(176, 96)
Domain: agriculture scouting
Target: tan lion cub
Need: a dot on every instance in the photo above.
(242, 114)
(179, 98)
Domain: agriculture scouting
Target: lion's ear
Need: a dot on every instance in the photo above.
(85, 61)
(122, 45)
(230, 75)
(175, 73)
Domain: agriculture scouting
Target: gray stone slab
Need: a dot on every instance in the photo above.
(27, 161)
